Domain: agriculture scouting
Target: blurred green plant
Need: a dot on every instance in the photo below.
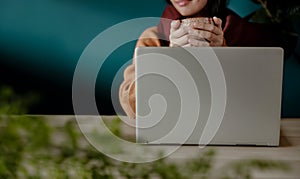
(11, 103)
(283, 16)
(244, 168)
(279, 12)
(29, 148)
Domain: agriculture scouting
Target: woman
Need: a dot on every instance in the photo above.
(226, 28)
(198, 33)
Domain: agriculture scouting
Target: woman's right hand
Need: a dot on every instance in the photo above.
(178, 36)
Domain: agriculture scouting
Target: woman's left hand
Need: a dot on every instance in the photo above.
(211, 34)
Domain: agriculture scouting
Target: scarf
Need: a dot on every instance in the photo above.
(164, 26)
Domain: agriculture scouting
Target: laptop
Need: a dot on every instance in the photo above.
(208, 95)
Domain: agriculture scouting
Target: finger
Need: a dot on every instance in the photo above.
(201, 34)
(178, 33)
(187, 45)
(208, 27)
(174, 25)
(218, 22)
(180, 41)
(198, 43)
(218, 42)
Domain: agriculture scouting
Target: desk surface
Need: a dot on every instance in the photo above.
(288, 151)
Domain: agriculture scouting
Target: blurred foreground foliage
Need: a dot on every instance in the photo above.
(31, 148)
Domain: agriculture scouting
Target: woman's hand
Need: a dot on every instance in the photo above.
(178, 36)
(204, 34)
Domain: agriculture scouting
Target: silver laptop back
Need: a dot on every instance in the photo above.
(204, 95)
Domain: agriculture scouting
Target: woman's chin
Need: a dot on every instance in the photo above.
(185, 12)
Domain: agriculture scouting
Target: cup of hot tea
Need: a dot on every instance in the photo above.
(188, 22)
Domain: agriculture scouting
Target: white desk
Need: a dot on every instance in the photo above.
(288, 151)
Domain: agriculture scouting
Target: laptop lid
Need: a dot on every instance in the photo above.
(204, 95)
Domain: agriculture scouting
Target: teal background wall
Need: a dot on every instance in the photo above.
(41, 42)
